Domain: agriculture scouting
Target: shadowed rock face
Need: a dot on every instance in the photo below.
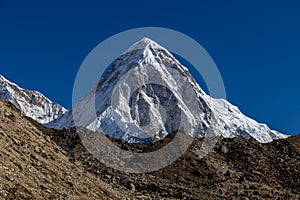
(165, 103)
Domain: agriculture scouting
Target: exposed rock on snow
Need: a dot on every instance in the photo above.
(32, 103)
(148, 94)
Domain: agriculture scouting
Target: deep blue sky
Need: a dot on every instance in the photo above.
(256, 46)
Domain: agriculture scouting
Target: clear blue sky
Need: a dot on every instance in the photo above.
(256, 46)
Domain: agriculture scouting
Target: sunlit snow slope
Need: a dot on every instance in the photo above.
(132, 108)
(32, 103)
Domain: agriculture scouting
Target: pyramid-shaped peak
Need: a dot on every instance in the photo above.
(144, 43)
(147, 41)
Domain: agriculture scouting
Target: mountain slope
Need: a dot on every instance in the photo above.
(236, 168)
(40, 163)
(32, 103)
(34, 167)
(147, 94)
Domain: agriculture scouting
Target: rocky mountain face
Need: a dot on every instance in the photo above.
(147, 94)
(32, 103)
(32, 166)
(41, 163)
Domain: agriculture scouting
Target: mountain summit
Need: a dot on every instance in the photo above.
(32, 103)
(144, 44)
(147, 94)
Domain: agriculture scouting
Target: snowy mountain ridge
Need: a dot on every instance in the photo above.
(32, 103)
(132, 108)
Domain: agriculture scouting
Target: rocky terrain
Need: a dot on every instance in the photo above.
(41, 163)
(236, 169)
(32, 166)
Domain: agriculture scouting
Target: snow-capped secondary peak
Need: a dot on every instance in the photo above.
(126, 96)
(31, 103)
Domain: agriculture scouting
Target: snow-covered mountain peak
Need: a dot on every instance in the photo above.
(142, 53)
(32, 103)
(126, 96)
(146, 51)
(143, 44)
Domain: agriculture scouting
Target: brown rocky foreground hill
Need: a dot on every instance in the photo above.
(32, 166)
(37, 162)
